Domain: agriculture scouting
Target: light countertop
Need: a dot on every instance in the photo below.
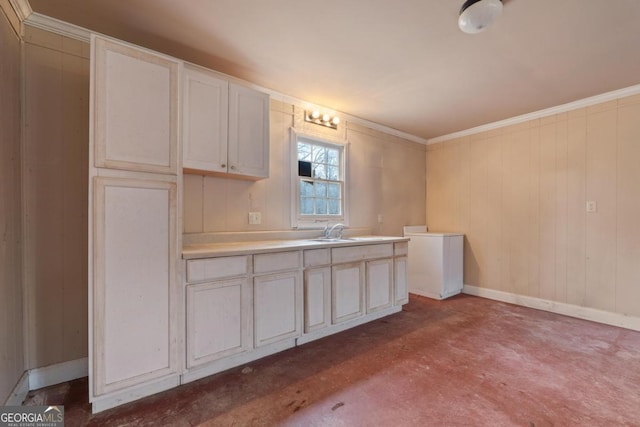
(206, 250)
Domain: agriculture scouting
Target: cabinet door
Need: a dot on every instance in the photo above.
(135, 108)
(219, 318)
(248, 132)
(379, 284)
(317, 298)
(277, 307)
(347, 288)
(134, 310)
(204, 121)
(401, 285)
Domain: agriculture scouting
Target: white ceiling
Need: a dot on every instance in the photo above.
(404, 64)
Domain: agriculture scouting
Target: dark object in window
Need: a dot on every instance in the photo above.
(304, 168)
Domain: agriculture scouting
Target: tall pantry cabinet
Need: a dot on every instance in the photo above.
(134, 223)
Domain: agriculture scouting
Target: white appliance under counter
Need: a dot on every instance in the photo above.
(435, 264)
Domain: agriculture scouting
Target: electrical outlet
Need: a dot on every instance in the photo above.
(380, 218)
(592, 206)
(255, 218)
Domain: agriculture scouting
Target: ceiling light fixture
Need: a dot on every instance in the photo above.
(325, 119)
(476, 15)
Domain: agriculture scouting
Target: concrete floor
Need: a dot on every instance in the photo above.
(460, 362)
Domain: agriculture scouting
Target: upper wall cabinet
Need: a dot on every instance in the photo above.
(205, 115)
(225, 126)
(136, 108)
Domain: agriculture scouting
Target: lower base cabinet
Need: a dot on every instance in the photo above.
(379, 284)
(347, 288)
(134, 305)
(277, 308)
(219, 320)
(240, 308)
(317, 298)
(401, 289)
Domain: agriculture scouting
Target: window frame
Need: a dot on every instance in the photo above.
(299, 221)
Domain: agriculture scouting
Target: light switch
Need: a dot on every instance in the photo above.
(255, 218)
(380, 218)
(592, 206)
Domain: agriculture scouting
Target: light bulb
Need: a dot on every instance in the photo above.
(336, 120)
(326, 117)
(315, 114)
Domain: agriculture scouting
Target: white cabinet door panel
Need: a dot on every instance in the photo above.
(317, 298)
(277, 307)
(135, 332)
(401, 291)
(379, 284)
(135, 108)
(347, 288)
(205, 115)
(248, 132)
(218, 320)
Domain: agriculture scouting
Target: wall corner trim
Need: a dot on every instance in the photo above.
(19, 392)
(585, 313)
(57, 26)
(58, 373)
(22, 8)
(581, 103)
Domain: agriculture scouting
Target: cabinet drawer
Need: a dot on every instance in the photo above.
(199, 270)
(279, 261)
(315, 257)
(401, 248)
(359, 253)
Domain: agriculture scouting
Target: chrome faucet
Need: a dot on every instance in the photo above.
(329, 231)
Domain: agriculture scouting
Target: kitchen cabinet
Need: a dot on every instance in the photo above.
(379, 284)
(317, 289)
(134, 322)
(277, 297)
(277, 310)
(219, 299)
(400, 272)
(295, 296)
(317, 298)
(205, 117)
(351, 281)
(401, 291)
(134, 243)
(134, 108)
(225, 126)
(219, 316)
(347, 288)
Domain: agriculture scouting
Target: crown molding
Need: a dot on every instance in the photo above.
(22, 8)
(57, 26)
(585, 102)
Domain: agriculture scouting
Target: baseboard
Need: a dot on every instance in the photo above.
(111, 400)
(586, 313)
(58, 373)
(19, 392)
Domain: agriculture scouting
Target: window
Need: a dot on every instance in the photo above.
(318, 187)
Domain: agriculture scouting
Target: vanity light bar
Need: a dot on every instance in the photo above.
(325, 119)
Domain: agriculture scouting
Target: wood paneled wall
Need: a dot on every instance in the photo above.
(11, 325)
(56, 138)
(519, 194)
(386, 177)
